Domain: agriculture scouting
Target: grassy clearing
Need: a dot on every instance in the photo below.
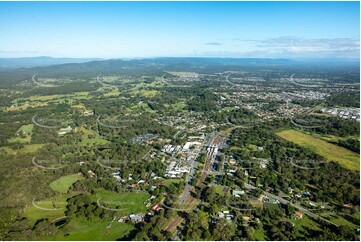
(341, 220)
(126, 202)
(95, 141)
(63, 184)
(79, 106)
(306, 226)
(37, 101)
(109, 91)
(26, 131)
(144, 93)
(82, 229)
(219, 189)
(112, 93)
(345, 157)
(51, 208)
(142, 107)
(116, 80)
(331, 138)
(170, 181)
(89, 137)
(271, 205)
(259, 235)
(179, 106)
(75, 95)
(31, 148)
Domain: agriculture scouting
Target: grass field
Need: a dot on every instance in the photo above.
(37, 101)
(142, 107)
(31, 148)
(331, 138)
(259, 235)
(179, 106)
(345, 157)
(63, 184)
(109, 91)
(86, 140)
(27, 130)
(340, 220)
(219, 189)
(83, 229)
(126, 202)
(51, 208)
(271, 205)
(144, 93)
(306, 227)
(170, 181)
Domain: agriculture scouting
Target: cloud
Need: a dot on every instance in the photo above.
(292, 47)
(336, 47)
(214, 43)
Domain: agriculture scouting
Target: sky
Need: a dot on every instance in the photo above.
(179, 29)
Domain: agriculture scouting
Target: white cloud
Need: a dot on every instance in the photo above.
(290, 47)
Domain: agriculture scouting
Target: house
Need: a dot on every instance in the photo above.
(237, 193)
(232, 162)
(122, 219)
(246, 219)
(306, 193)
(136, 218)
(349, 205)
(88, 113)
(68, 129)
(156, 207)
(91, 173)
(116, 175)
(60, 133)
(229, 217)
(298, 214)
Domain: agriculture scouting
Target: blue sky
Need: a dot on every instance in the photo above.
(207, 29)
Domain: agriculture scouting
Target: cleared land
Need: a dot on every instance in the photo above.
(23, 135)
(50, 208)
(31, 148)
(63, 184)
(126, 203)
(83, 229)
(345, 157)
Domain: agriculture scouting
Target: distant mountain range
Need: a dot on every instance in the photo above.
(26, 62)
(29, 62)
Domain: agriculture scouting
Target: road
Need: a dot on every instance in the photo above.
(187, 201)
(284, 201)
(233, 84)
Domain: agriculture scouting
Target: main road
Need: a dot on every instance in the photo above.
(284, 201)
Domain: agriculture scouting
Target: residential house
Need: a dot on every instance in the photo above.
(298, 215)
